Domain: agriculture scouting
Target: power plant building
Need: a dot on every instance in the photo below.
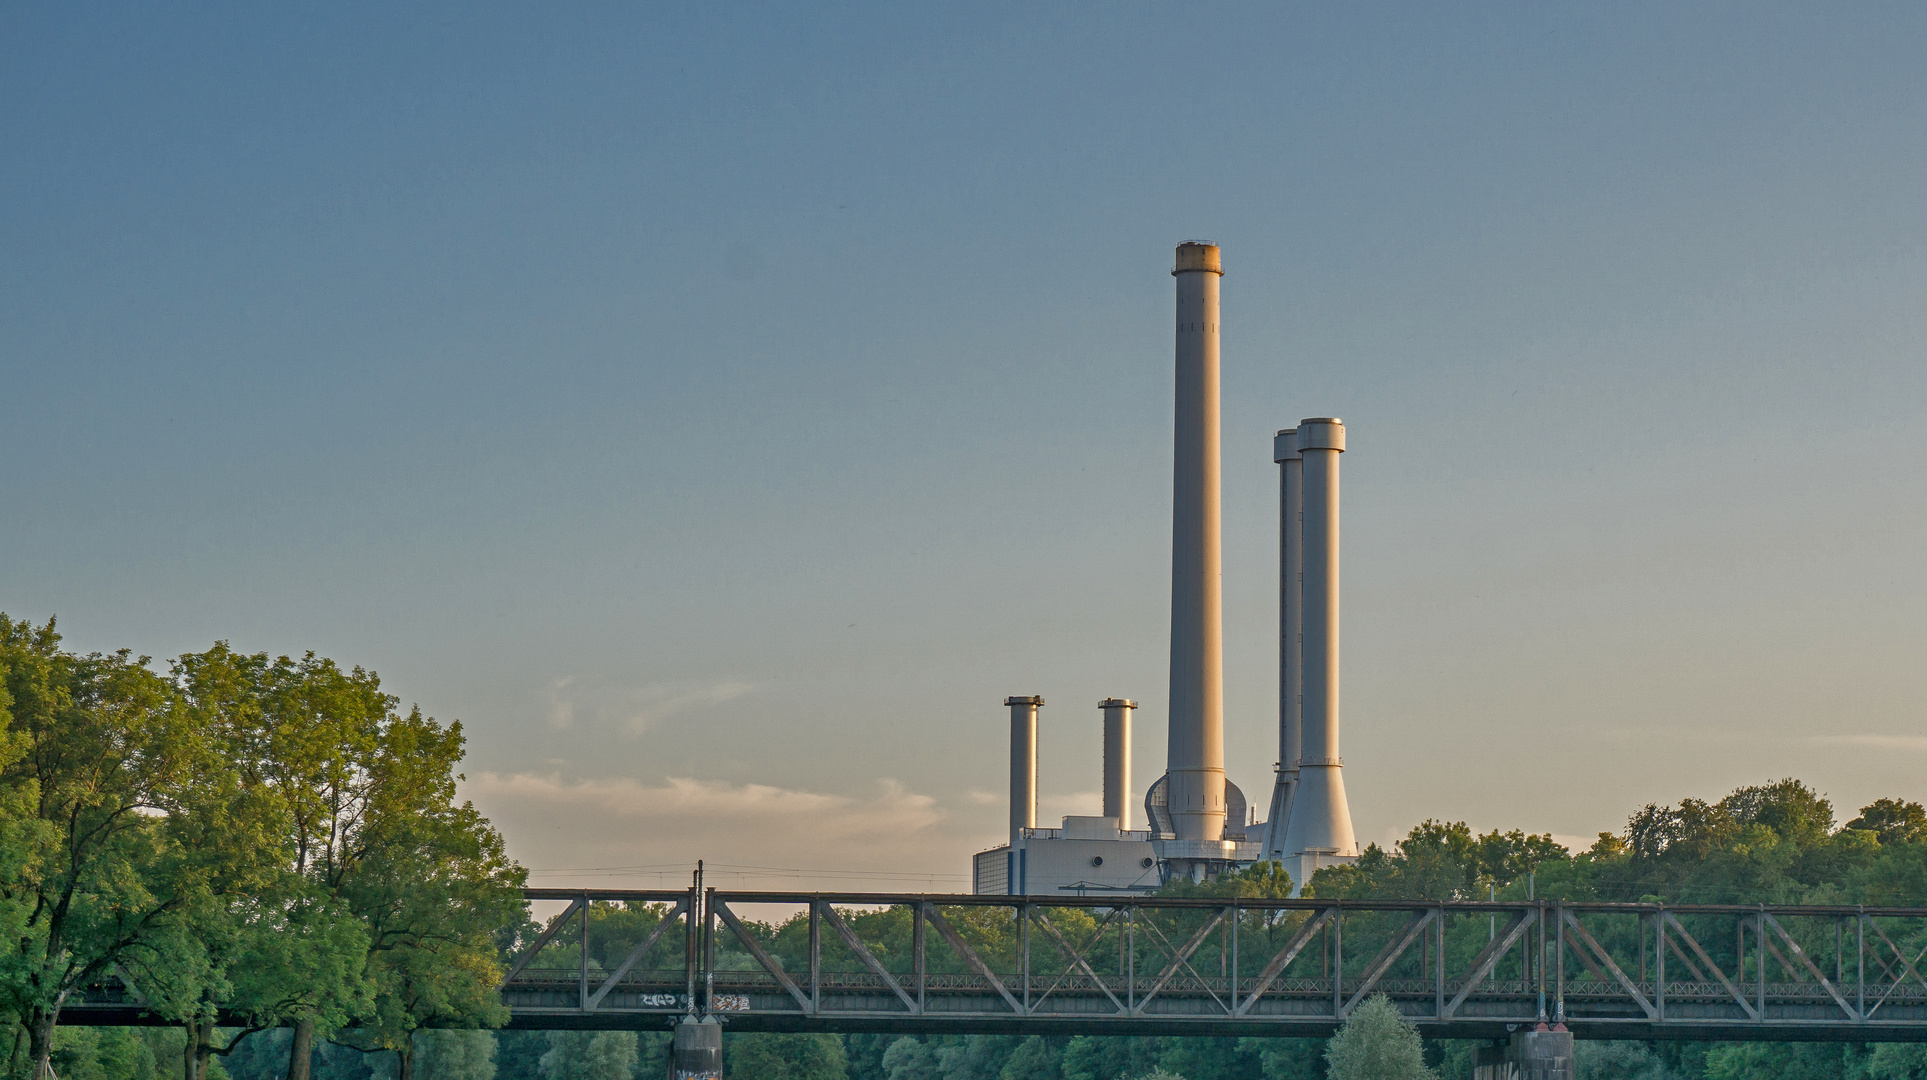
(1197, 823)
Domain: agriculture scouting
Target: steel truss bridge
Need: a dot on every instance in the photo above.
(881, 962)
(798, 961)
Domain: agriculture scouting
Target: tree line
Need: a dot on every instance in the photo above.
(277, 837)
(266, 835)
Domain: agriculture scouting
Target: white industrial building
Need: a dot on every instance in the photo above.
(1197, 822)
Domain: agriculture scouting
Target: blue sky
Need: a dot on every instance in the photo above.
(721, 409)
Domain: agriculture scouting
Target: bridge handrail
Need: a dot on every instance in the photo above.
(882, 899)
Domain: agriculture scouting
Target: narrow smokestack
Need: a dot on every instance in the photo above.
(1117, 759)
(1291, 626)
(1195, 754)
(1023, 763)
(1321, 822)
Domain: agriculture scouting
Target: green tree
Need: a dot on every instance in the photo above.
(784, 1057)
(83, 1053)
(137, 827)
(1376, 1042)
(454, 1055)
(1785, 1061)
(975, 1057)
(289, 954)
(1619, 1060)
(909, 1058)
(1897, 1061)
(1287, 1059)
(1100, 1057)
(1036, 1058)
(432, 886)
(590, 1055)
(1893, 821)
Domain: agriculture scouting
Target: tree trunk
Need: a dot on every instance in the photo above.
(405, 1069)
(187, 1051)
(40, 1042)
(301, 1056)
(203, 1050)
(200, 1048)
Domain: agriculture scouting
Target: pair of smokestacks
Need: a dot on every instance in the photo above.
(1309, 813)
(1023, 761)
(1312, 815)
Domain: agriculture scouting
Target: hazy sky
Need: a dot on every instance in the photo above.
(721, 409)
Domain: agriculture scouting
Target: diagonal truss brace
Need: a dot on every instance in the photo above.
(755, 950)
(1605, 958)
(636, 954)
(1906, 966)
(1801, 955)
(1285, 956)
(1183, 957)
(1077, 958)
(1488, 959)
(1672, 947)
(863, 953)
(1747, 1006)
(555, 927)
(969, 955)
(1388, 956)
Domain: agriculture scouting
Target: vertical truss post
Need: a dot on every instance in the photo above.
(1659, 963)
(1023, 941)
(1860, 960)
(917, 946)
(1236, 917)
(1759, 953)
(582, 985)
(691, 918)
(1438, 973)
(816, 956)
(1338, 965)
(1130, 971)
(1559, 975)
(1541, 969)
(709, 951)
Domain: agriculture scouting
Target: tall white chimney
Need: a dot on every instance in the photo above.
(1195, 781)
(1319, 832)
(1023, 763)
(1291, 635)
(1117, 759)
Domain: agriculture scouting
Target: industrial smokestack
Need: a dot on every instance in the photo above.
(1291, 627)
(1195, 781)
(1023, 763)
(1321, 822)
(1117, 759)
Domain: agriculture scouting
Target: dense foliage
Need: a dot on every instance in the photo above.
(270, 835)
(277, 836)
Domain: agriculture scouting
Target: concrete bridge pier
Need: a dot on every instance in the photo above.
(1540, 1054)
(697, 1053)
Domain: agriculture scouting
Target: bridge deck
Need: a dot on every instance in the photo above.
(797, 961)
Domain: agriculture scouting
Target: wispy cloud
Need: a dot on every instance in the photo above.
(636, 708)
(627, 832)
(1883, 742)
(653, 704)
